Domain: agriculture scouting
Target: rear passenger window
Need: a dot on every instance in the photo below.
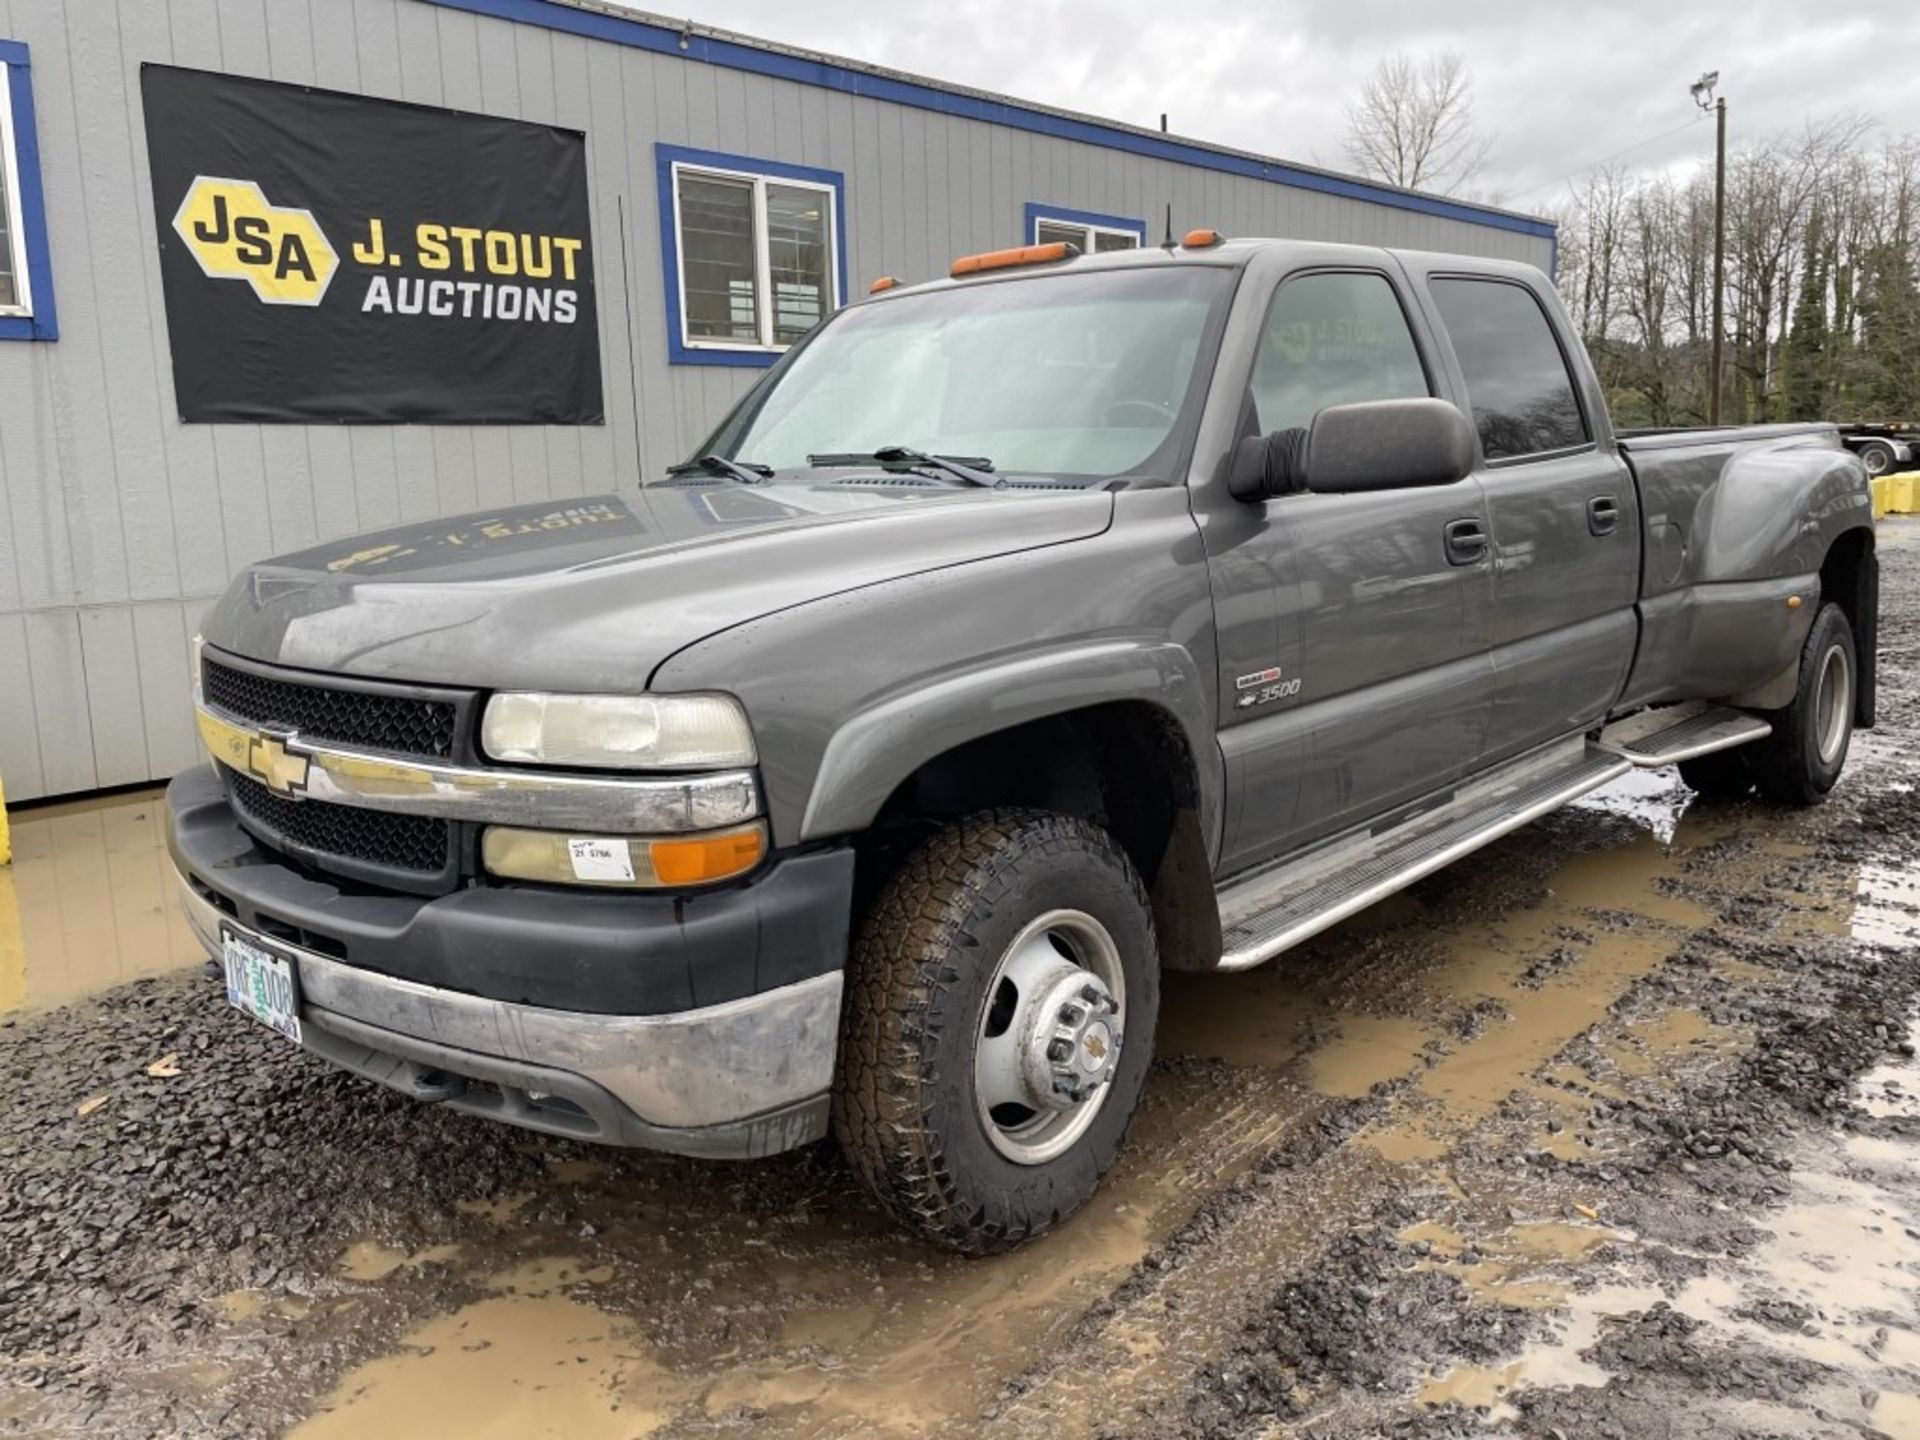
(1331, 340)
(1517, 378)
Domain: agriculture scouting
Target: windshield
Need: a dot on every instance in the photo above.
(1088, 376)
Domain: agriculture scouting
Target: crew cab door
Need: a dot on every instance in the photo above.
(1566, 522)
(1352, 628)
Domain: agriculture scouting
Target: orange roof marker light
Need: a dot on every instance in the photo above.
(885, 282)
(1201, 239)
(1019, 255)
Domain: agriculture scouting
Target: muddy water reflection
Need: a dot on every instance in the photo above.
(88, 901)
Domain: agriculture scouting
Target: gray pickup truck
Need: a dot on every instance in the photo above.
(1017, 637)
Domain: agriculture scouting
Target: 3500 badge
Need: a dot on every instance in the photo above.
(1263, 687)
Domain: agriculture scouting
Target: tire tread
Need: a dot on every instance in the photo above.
(898, 969)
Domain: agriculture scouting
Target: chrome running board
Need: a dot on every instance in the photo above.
(1277, 907)
(1672, 733)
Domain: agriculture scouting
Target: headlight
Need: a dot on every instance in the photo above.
(624, 860)
(196, 645)
(618, 732)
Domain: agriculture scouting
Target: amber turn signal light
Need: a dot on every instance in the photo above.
(1019, 255)
(703, 859)
(1201, 239)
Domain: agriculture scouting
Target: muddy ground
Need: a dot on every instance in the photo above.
(1612, 1130)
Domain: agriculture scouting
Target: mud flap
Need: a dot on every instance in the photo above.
(1866, 639)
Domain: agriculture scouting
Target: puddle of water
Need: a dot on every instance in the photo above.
(1656, 799)
(241, 1304)
(1365, 1051)
(1656, 1042)
(530, 1360)
(1886, 910)
(88, 901)
(1554, 1364)
(500, 1209)
(1897, 1414)
(1517, 1266)
(508, 1368)
(1893, 1089)
(369, 1260)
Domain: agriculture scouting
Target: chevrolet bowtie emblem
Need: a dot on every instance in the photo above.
(281, 770)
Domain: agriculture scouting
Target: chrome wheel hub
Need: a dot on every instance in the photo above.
(1049, 1036)
(1076, 1041)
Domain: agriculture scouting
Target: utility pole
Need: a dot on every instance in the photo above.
(1702, 92)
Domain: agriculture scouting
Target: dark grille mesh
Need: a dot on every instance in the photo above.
(419, 843)
(349, 717)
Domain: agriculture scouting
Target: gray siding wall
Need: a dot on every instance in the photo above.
(119, 524)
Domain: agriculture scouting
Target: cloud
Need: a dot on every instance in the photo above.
(1561, 86)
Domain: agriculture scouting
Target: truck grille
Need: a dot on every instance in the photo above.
(419, 844)
(366, 719)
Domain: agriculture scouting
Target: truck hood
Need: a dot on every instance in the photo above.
(593, 594)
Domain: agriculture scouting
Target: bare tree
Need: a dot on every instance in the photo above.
(1823, 281)
(1414, 124)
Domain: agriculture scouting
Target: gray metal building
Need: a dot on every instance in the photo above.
(119, 523)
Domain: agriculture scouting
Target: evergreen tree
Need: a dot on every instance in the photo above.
(1806, 397)
(1890, 333)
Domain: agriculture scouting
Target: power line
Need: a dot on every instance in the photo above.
(1604, 159)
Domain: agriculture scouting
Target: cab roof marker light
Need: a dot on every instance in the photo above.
(885, 282)
(1019, 255)
(1202, 239)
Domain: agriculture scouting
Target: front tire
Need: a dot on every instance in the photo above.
(1001, 1001)
(1800, 761)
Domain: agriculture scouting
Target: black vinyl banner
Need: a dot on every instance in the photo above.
(331, 257)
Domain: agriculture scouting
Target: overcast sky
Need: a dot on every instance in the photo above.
(1561, 86)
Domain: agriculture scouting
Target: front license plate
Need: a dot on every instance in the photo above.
(261, 982)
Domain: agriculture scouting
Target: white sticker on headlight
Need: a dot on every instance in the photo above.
(600, 859)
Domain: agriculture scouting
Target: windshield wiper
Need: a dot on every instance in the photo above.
(746, 472)
(969, 468)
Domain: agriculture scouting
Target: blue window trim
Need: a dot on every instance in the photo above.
(1037, 212)
(679, 352)
(853, 80)
(43, 324)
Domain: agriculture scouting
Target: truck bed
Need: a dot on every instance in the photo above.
(1729, 519)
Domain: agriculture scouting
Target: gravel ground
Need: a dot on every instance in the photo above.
(1613, 1130)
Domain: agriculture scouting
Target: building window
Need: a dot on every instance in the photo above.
(26, 294)
(1092, 233)
(754, 254)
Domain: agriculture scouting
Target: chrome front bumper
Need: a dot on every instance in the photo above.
(747, 1077)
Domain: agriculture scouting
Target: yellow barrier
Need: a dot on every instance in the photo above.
(1896, 495)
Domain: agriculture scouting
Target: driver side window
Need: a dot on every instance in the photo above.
(1333, 339)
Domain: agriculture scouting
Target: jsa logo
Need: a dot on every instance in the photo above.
(236, 235)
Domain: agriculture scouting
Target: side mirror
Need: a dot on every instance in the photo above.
(1388, 444)
(1370, 445)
